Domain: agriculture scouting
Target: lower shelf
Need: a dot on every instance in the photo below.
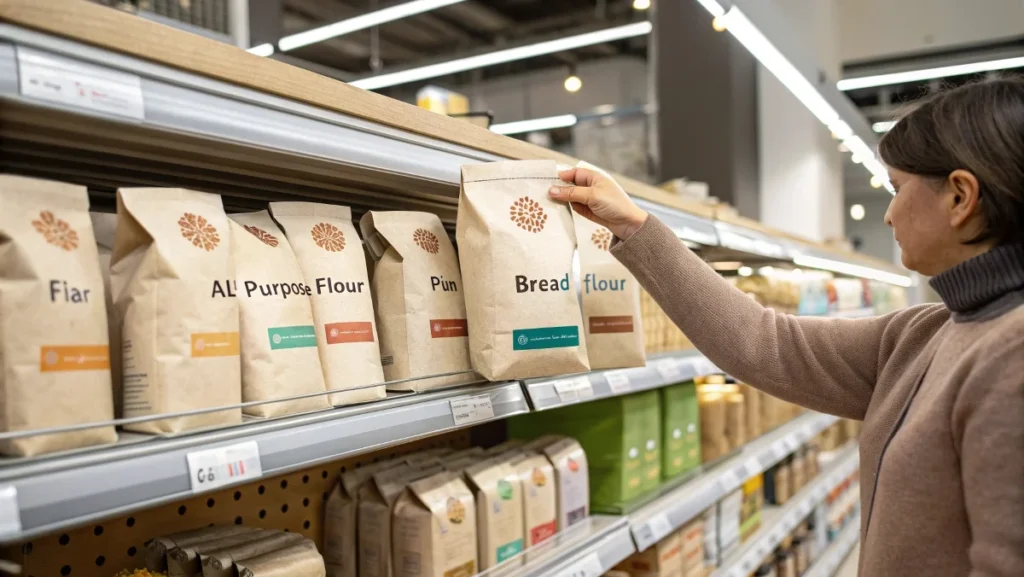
(835, 556)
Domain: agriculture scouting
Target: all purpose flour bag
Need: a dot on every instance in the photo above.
(516, 248)
(417, 287)
(278, 339)
(172, 277)
(54, 350)
(334, 265)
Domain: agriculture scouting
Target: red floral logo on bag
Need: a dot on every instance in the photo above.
(602, 238)
(267, 238)
(528, 214)
(328, 237)
(56, 231)
(201, 233)
(426, 240)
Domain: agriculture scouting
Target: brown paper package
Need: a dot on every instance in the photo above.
(301, 560)
(334, 265)
(157, 549)
(418, 291)
(171, 273)
(103, 225)
(279, 352)
(54, 345)
(434, 532)
(516, 247)
(183, 560)
(220, 562)
(540, 497)
(499, 510)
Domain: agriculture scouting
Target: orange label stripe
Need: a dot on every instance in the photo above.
(74, 358)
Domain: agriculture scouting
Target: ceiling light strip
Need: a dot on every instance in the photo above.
(546, 123)
(929, 73)
(852, 270)
(361, 22)
(263, 50)
(501, 56)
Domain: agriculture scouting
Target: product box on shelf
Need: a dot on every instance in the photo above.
(709, 519)
(663, 559)
(435, 529)
(691, 537)
(680, 424)
(729, 511)
(499, 510)
(652, 447)
(753, 505)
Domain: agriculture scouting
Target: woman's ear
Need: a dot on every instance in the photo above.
(965, 195)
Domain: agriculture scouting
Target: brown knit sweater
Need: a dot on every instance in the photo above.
(941, 397)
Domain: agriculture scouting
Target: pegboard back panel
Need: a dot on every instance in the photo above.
(292, 502)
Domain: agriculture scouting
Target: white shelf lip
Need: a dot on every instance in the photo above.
(662, 370)
(671, 511)
(686, 226)
(599, 543)
(752, 241)
(767, 538)
(835, 555)
(79, 488)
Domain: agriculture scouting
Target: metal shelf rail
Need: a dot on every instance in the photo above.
(587, 549)
(675, 508)
(744, 561)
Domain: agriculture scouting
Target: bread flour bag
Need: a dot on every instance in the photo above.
(103, 225)
(54, 347)
(334, 265)
(278, 341)
(516, 248)
(499, 511)
(172, 277)
(610, 299)
(434, 529)
(417, 287)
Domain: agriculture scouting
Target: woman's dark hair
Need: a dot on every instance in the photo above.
(977, 127)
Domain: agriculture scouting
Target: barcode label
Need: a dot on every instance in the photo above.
(214, 468)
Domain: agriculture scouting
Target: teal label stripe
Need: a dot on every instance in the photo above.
(509, 550)
(545, 338)
(291, 337)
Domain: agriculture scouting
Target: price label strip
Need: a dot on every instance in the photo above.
(74, 83)
(470, 410)
(214, 468)
(669, 370)
(588, 566)
(660, 526)
(574, 389)
(618, 382)
(10, 514)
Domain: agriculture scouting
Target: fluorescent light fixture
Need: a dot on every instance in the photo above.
(745, 271)
(641, 4)
(361, 22)
(882, 127)
(263, 50)
(929, 73)
(713, 7)
(500, 56)
(546, 123)
(852, 270)
(857, 212)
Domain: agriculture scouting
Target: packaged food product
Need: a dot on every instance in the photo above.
(183, 560)
(334, 265)
(540, 497)
(729, 512)
(610, 300)
(173, 277)
(735, 420)
(573, 477)
(278, 340)
(54, 345)
(753, 505)
(434, 529)
(752, 411)
(797, 471)
(299, 560)
(376, 503)
(103, 225)
(680, 440)
(777, 486)
(499, 511)
(712, 554)
(418, 290)
(650, 419)
(157, 548)
(524, 318)
(220, 562)
(664, 559)
(713, 441)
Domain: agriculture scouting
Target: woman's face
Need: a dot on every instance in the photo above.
(919, 217)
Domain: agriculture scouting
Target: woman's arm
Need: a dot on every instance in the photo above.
(829, 365)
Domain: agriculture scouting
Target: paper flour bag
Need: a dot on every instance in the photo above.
(103, 225)
(610, 299)
(54, 347)
(220, 562)
(278, 341)
(334, 265)
(516, 248)
(540, 496)
(434, 529)
(417, 287)
(300, 560)
(499, 511)
(573, 477)
(172, 274)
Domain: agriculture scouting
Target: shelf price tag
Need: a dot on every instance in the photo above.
(472, 410)
(729, 481)
(669, 370)
(618, 381)
(588, 566)
(574, 389)
(214, 468)
(10, 514)
(660, 526)
(74, 83)
(752, 466)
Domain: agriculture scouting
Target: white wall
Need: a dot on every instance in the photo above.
(801, 166)
(875, 236)
(872, 29)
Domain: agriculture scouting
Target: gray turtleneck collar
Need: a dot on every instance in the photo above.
(985, 286)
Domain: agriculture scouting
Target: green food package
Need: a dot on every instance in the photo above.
(615, 433)
(680, 439)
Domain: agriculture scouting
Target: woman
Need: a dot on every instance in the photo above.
(940, 387)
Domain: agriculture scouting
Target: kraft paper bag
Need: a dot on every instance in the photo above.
(184, 561)
(278, 339)
(54, 345)
(333, 263)
(610, 299)
(516, 248)
(434, 529)
(158, 548)
(300, 560)
(103, 225)
(171, 273)
(499, 511)
(220, 562)
(417, 287)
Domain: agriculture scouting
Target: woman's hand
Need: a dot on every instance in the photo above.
(597, 197)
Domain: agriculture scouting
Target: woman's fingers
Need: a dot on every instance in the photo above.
(579, 176)
(577, 194)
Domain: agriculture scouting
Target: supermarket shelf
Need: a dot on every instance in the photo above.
(686, 226)
(784, 519)
(58, 492)
(752, 241)
(551, 393)
(676, 507)
(835, 555)
(593, 547)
